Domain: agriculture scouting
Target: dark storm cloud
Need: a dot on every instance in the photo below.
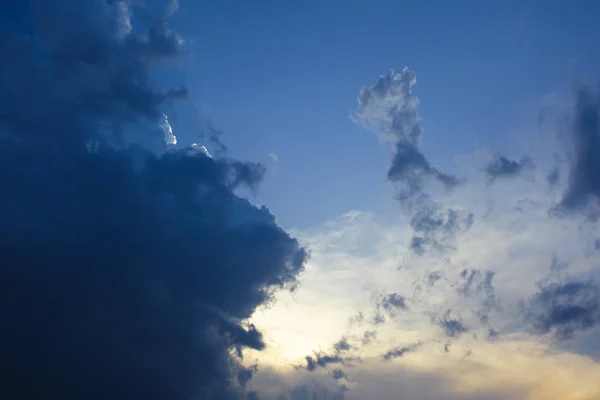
(502, 167)
(390, 109)
(82, 73)
(123, 274)
(583, 184)
(397, 352)
(563, 309)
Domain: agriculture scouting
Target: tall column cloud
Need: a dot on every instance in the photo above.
(390, 109)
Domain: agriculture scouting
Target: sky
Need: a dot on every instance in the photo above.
(314, 200)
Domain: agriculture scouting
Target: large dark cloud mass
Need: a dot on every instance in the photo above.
(123, 274)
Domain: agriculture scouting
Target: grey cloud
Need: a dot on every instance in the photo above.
(390, 100)
(209, 131)
(525, 204)
(378, 319)
(556, 272)
(563, 309)
(553, 177)
(321, 359)
(397, 352)
(433, 277)
(368, 337)
(357, 319)
(342, 345)
(394, 301)
(411, 168)
(390, 109)
(452, 326)
(502, 167)
(474, 282)
(252, 396)
(315, 392)
(338, 374)
(434, 224)
(388, 305)
(426, 283)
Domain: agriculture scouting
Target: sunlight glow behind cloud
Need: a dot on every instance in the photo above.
(132, 267)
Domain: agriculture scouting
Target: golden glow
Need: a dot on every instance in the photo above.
(519, 369)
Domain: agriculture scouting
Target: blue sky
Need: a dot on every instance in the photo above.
(282, 78)
(408, 207)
